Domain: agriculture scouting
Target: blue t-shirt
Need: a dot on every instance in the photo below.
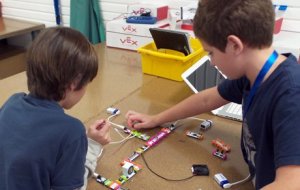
(40, 146)
(271, 130)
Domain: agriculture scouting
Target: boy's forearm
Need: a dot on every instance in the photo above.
(287, 177)
(196, 104)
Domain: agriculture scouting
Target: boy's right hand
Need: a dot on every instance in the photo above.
(140, 121)
(99, 132)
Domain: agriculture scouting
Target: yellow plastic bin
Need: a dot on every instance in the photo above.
(169, 63)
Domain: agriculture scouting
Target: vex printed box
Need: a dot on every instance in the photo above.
(130, 36)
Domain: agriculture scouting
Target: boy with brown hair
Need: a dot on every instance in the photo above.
(238, 36)
(41, 146)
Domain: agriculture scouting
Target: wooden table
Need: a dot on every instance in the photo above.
(121, 84)
(174, 156)
(12, 27)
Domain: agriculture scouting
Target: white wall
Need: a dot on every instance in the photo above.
(43, 10)
(36, 10)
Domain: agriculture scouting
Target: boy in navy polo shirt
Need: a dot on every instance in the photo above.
(41, 147)
(238, 34)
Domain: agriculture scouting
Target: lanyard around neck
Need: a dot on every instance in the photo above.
(261, 75)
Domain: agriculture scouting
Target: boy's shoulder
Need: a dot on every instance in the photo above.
(287, 74)
(290, 65)
(14, 99)
(290, 58)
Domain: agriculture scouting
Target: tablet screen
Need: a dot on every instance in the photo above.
(202, 75)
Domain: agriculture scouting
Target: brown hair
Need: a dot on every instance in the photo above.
(250, 20)
(58, 57)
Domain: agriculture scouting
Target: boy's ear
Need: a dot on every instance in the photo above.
(234, 45)
(75, 83)
(73, 86)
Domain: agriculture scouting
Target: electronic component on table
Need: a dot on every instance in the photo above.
(192, 134)
(200, 170)
(138, 152)
(100, 178)
(219, 144)
(129, 169)
(160, 135)
(221, 179)
(220, 154)
(140, 135)
(122, 179)
(133, 156)
(171, 127)
(155, 139)
(224, 183)
(206, 125)
(137, 134)
(107, 182)
(126, 130)
(141, 19)
(114, 185)
(113, 111)
(145, 147)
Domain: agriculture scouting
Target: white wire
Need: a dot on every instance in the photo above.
(115, 124)
(195, 118)
(127, 138)
(117, 130)
(228, 185)
(121, 127)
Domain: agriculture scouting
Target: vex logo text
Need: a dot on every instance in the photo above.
(129, 28)
(139, 11)
(129, 41)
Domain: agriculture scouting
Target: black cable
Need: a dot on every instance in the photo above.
(190, 177)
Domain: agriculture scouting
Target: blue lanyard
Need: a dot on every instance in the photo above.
(261, 75)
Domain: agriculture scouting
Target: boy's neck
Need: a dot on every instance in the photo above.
(256, 58)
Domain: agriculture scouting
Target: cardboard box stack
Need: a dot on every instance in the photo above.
(287, 27)
(131, 36)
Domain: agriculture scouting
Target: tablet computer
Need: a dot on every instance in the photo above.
(171, 39)
(203, 75)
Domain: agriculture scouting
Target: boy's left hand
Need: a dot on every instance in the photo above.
(99, 132)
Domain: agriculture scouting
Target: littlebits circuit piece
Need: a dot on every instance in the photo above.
(206, 125)
(113, 111)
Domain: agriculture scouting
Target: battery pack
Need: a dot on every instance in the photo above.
(221, 179)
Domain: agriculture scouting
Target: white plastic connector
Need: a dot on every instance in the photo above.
(113, 111)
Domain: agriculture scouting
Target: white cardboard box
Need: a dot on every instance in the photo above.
(130, 36)
(126, 41)
(290, 16)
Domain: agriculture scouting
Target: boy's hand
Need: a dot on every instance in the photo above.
(99, 132)
(138, 121)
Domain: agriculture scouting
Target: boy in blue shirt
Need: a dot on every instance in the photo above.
(41, 147)
(237, 34)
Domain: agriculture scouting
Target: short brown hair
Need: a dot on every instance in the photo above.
(58, 57)
(250, 20)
